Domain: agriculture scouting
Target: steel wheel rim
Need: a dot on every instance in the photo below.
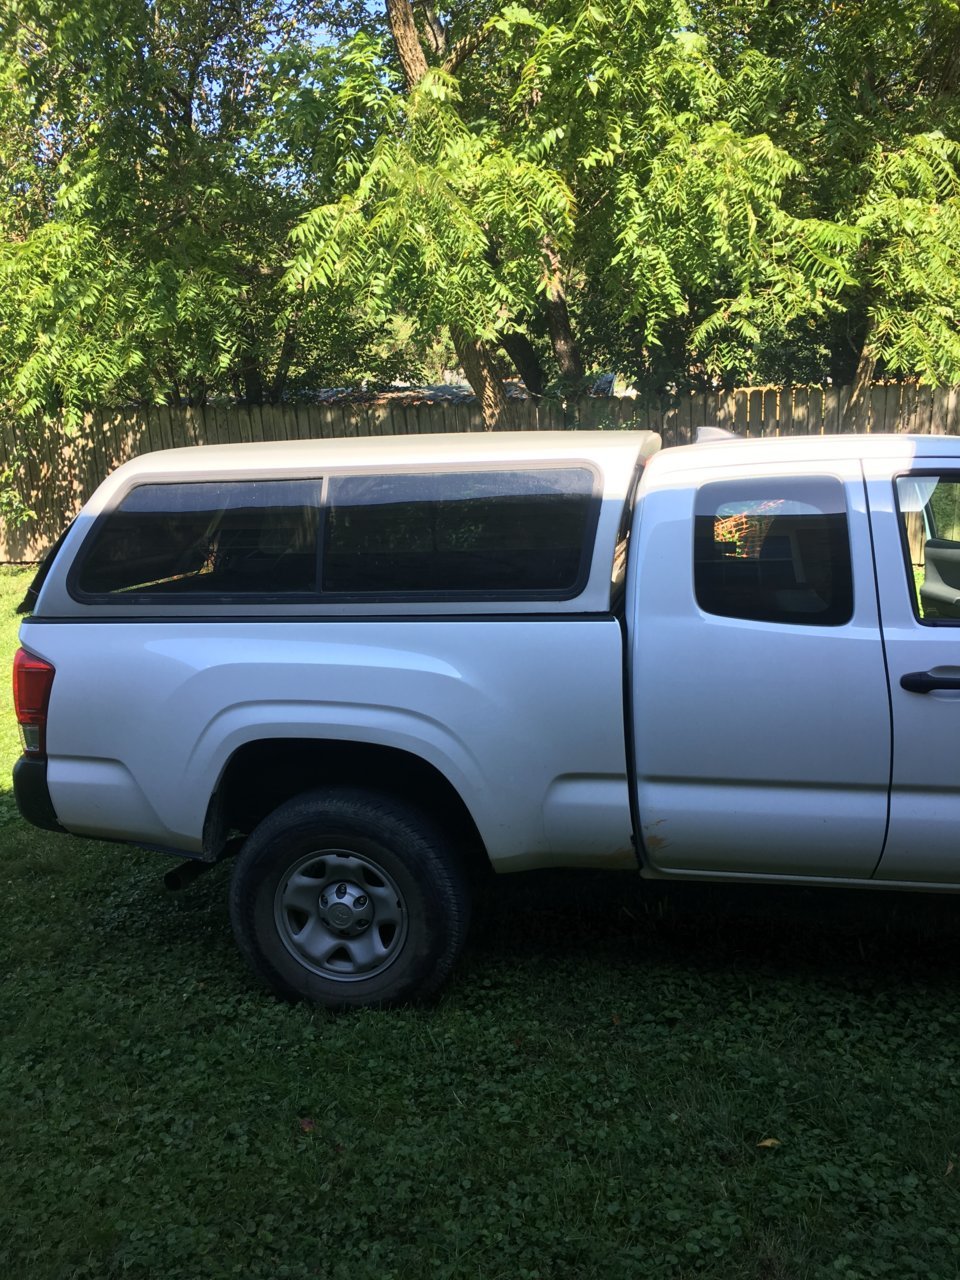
(340, 915)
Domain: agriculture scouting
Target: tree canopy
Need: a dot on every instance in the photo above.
(153, 175)
(246, 197)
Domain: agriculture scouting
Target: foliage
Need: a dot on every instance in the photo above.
(716, 192)
(441, 223)
(732, 174)
(13, 509)
(867, 97)
(152, 182)
(730, 189)
(909, 223)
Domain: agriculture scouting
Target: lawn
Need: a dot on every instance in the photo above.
(740, 1086)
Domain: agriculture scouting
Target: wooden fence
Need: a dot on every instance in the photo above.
(59, 472)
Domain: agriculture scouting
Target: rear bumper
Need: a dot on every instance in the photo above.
(33, 795)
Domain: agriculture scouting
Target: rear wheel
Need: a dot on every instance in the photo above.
(349, 899)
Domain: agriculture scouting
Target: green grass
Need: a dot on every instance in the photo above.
(587, 1100)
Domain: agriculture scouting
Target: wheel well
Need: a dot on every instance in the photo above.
(262, 775)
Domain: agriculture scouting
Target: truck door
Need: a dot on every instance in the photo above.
(916, 524)
(757, 679)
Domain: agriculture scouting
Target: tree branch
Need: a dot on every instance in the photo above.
(464, 47)
(431, 29)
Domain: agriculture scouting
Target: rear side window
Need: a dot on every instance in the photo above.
(235, 538)
(456, 535)
(774, 551)
(449, 534)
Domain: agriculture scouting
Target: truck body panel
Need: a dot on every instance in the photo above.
(923, 843)
(501, 708)
(762, 747)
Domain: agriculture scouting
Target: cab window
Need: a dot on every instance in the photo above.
(929, 511)
(774, 551)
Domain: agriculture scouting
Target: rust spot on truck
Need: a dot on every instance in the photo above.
(624, 859)
(654, 842)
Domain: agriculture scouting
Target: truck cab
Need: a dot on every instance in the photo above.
(810, 670)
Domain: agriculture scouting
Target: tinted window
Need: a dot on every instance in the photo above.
(224, 538)
(929, 507)
(488, 533)
(774, 551)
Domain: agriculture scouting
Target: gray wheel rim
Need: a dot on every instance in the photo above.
(340, 915)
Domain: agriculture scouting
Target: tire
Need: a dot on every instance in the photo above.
(348, 899)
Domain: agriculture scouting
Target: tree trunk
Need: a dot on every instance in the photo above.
(252, 381)
(565, 346)
(409, 50)
(564, 343)
(857, 412)
(464, 47)
(287, 348)
(524, 355)
(482, 376)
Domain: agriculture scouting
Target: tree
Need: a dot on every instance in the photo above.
(416, 231)
(152, 181)
(728, 164)
(751, 180)
(683, 191)
(443, 221)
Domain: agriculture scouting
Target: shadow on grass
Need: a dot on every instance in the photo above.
(591, 920)
(790, 928)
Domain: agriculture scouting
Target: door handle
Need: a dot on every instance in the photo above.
(925, 681)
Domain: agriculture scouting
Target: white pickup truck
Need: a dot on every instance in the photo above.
(381, 667)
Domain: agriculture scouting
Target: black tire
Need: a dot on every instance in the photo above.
(350, 900)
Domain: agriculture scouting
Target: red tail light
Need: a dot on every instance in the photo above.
(32, 682)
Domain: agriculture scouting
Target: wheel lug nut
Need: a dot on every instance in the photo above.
(341, 890)
(361, 902)
(362, 924)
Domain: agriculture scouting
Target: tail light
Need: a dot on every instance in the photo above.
(32, 682)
